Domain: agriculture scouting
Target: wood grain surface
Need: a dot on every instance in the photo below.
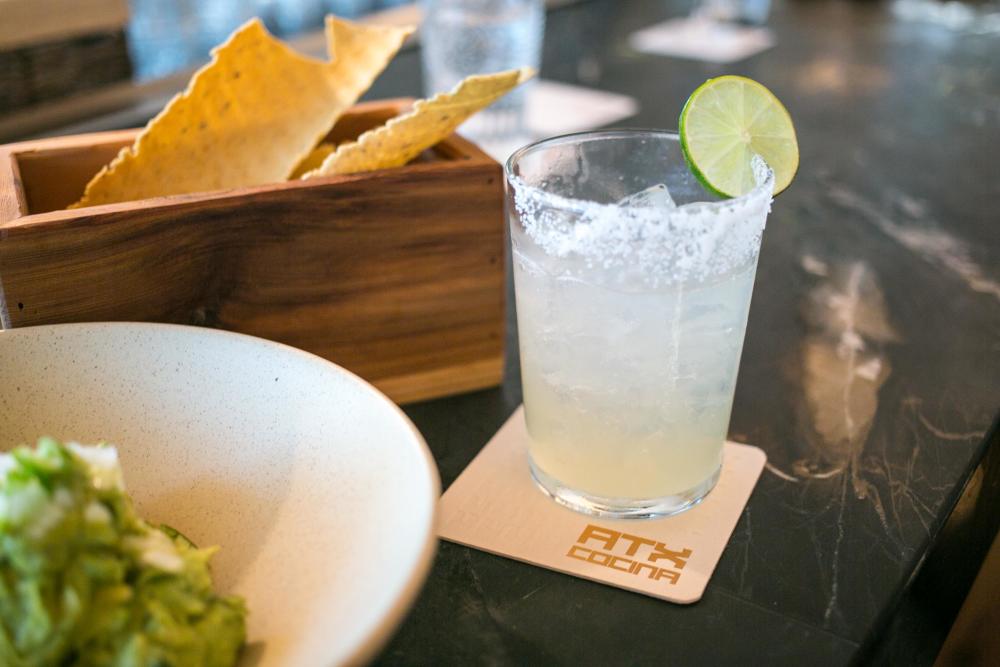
(398, 275)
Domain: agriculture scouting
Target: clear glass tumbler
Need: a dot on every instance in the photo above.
(632, 286)
(459, 38)
(750, 12)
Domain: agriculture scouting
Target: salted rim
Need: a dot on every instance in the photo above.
(577, 205)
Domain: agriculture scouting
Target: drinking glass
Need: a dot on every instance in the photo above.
(632, 286)
(163, 37)
(294, 16)
(750, 12)
(459, 38)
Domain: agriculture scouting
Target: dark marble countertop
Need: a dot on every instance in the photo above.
(870, 375)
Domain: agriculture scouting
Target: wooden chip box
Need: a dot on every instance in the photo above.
(397, 275)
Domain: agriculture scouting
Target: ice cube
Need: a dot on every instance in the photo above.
(655, 195)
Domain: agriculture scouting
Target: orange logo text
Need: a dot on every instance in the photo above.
(636, 555)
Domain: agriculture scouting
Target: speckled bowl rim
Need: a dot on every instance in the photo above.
(383, 631)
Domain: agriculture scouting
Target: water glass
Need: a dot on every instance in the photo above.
(294, 16)
(632, 286)
(463, 37)
(163, 37)
(752, 12)
(217, 19)
(351, 8)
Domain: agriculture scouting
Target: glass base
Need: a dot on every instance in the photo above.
(621, 508)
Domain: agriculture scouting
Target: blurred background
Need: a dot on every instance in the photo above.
(71, 66)
(62, 60)
(896, 102)
(167, 35)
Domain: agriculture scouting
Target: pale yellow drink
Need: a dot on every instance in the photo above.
(628, 395)
(632, 288)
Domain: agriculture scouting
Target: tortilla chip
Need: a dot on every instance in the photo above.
(406, 136)
(248, 117)
(313, 160)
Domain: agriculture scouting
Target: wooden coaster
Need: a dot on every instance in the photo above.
(495, 506)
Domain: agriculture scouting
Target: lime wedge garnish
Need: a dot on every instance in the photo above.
(724, 123)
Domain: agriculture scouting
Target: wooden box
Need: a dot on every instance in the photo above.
(397, 275)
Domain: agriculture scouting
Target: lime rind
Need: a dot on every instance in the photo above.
(728, 120)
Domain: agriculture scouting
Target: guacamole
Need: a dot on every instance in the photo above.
(85, 581)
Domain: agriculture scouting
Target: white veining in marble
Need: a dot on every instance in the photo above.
(923, 237)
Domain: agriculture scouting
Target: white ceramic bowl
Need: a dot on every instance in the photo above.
(319, 491)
